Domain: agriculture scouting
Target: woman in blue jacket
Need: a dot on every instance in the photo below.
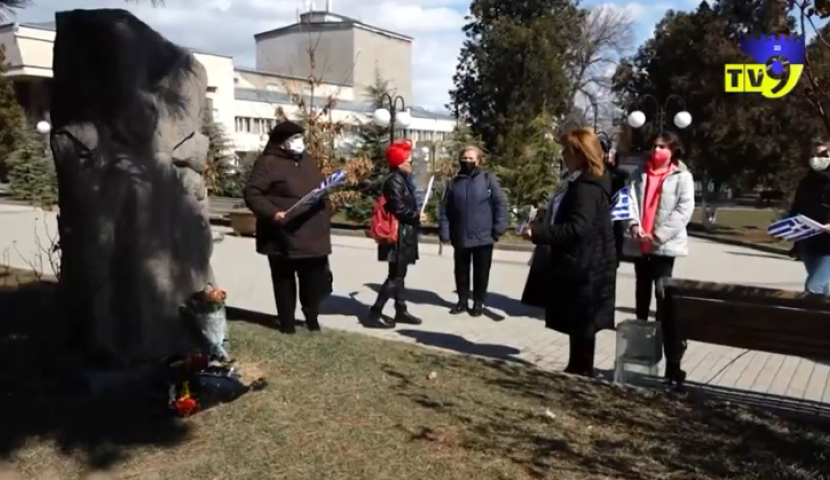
(472, 218)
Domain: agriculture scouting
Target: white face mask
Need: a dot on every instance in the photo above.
(820, 164)
(296, 145)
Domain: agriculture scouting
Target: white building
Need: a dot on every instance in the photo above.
(245, 100)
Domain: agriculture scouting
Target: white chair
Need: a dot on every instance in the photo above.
(639, 349)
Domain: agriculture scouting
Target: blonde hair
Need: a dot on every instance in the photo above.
(474, 148)
(584, 144)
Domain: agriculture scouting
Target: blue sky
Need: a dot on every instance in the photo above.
(228, 26)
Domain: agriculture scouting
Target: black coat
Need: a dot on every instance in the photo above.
(812, 199)
(276, 183)
(402, 203)
(579, 279)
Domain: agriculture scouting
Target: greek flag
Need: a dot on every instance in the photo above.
(623, 207)
(795, 228)
(318, 193)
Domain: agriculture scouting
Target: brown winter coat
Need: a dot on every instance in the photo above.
(277, 182)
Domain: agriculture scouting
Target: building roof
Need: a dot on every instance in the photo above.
(323, 19)
(50, 26)
(283, 75)
(268, 96)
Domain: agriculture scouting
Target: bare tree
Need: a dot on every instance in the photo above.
(607, 36)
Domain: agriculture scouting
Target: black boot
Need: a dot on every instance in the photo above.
(478, 309)
(402, 315)
(288, 326)
(376, 318)
(312, 322)
(459, 308)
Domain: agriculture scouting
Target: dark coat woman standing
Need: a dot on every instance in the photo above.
(297, 242)
(473, 215)
(401, 202)
(582, 265)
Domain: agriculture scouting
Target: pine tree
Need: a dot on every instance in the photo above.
(11, 118)
(373, 141)
(529, 167)
(32, 176)
(220, 174)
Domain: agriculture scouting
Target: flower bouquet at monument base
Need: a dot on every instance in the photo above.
(205, 313)
(198, 383)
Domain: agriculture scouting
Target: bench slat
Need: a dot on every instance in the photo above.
(747, 294)
(801, 333)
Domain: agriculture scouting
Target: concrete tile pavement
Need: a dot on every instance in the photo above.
(521, 336)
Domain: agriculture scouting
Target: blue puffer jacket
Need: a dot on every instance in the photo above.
(473, 211)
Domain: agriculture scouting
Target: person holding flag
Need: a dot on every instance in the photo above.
(293, 232)
(578, 282)
(812, 200)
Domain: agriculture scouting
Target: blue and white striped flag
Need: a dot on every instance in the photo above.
(318, 193)
(793, 229)
(623, 207)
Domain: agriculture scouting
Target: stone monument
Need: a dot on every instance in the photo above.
(134, 229)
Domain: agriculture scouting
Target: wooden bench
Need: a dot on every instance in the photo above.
(755, 318)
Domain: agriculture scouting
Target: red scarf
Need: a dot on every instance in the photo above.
(651, 198)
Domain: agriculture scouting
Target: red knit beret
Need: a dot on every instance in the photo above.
(398, 153)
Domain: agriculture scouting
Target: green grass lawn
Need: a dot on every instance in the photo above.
(343, 406)
(748, 226)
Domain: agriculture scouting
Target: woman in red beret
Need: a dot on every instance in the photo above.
(401, 202)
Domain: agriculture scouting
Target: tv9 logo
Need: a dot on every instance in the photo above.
(779, 64)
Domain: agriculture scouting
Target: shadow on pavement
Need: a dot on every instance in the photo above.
(760, 255)
(462, 345)
(418, 297)
(510, 306)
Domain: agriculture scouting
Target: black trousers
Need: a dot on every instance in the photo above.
(651, 272)
(583, 342)
(394, 287)
(481, 259)
(311, 274)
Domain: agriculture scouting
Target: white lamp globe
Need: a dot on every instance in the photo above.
(636, 119)
(43, 127)
(683, 119)
(403, 119)
(381, 117)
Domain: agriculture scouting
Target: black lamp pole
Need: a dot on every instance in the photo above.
(664, 107)
(391, 104)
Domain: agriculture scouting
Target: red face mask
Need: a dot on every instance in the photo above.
(659, 158)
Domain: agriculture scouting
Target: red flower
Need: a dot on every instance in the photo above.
(185, 406)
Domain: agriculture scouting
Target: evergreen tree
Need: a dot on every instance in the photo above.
(11, 118)
(513, 72)
(220, 175)
(533, 172)
(32, 176)
(373, 141)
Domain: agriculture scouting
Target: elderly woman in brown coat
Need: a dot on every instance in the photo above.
(296, 242)
(579, 277)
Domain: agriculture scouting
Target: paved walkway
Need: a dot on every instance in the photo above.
(767, 378)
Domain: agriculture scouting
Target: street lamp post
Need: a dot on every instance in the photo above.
(682, 119)
(391, 115)
(43, 127)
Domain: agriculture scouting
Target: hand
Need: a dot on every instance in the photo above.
(636, 232)
(279, 217)
(827, 228)
(423, 218)
(527, 234)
